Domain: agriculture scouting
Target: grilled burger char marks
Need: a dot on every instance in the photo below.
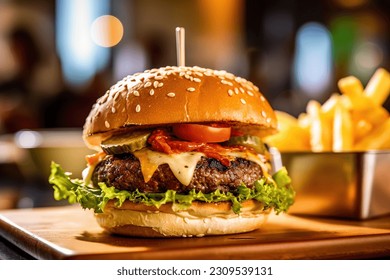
(124, 172)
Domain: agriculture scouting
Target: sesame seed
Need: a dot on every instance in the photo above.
(181, 74)
(160, 85)
(229, 76)
(250, 93)
(105, 97)
(199, 74)
(136, 93)
(187, 76)
(236, 90)
(121, 88)
(262, 98)
(147, 84)
(158, 77)
(171, 94)
(219, 72)
(243, 101)
(242, 90)
(113, 110)
(251, 87)
(268, 120)
(151, 92)
(227, 83)
(263, 113)
(138, 108)
(230, 92)
(191, 89)
(107, 124)
(155, 84)
(117, 95)
(197, 80)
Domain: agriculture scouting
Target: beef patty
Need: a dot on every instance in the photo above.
(124, 172)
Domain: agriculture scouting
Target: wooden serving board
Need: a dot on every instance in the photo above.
(68, 232)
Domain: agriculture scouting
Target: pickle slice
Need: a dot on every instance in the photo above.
(125, 143)
(251, 141)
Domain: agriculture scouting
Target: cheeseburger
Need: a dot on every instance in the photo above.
(178, 153)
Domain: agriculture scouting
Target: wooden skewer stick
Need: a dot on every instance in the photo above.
(180, 46)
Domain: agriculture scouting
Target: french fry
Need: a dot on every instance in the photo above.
(329, 106)
(320, 130)
(351, 121)
(342, 129)
(298, 137)
(377, 139)
(304, 122)
(350, 85)
(359, 102)
(353, 90)
(375, 115)
(378, 87)
(361, 128)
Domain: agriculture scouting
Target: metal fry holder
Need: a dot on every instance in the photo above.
(354, 185)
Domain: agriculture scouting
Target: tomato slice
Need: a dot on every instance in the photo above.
(202, 133)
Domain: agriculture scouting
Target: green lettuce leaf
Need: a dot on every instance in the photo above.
(279, 196)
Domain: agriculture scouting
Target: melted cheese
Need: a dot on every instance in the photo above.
(182, 165)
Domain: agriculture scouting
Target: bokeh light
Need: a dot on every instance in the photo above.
(28, 139)
(80, 57)
(107, 31)
(313, 59)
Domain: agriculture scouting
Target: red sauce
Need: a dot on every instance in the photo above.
(94, 158)
(162, 141)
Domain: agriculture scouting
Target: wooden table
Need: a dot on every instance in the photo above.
(68, 232)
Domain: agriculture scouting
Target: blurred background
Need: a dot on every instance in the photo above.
(58, 56)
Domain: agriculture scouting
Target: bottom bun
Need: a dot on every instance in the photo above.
(200, 219)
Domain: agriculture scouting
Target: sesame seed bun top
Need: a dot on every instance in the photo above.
(179, 95)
